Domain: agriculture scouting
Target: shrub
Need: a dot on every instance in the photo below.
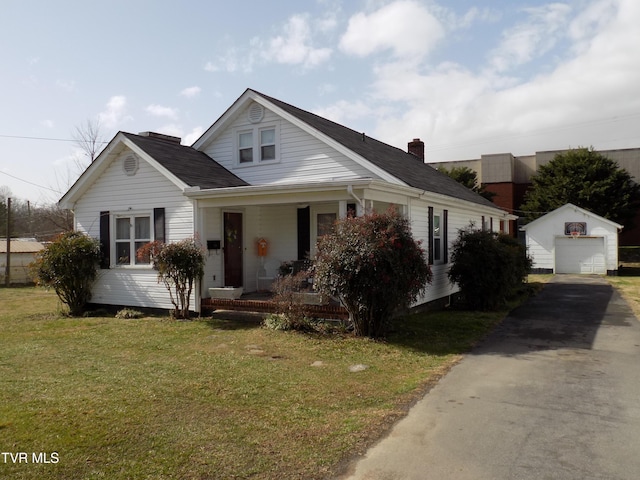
(488, 267)
(179, 265)
(69, 265)
(374, 266)
(291, 311)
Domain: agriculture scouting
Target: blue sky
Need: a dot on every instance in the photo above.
(467, 77)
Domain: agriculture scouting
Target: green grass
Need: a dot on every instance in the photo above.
(155, 398)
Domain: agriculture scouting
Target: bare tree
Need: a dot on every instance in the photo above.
(89, 138)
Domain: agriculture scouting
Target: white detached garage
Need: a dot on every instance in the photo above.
(573, 240)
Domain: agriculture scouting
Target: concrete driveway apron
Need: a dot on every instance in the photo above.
(553, 393)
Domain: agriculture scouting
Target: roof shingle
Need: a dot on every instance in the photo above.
(193, 167)
(402, 165)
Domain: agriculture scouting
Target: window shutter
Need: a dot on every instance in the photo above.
(430, 246)
(105, 240)
(445, 237)
(158, 225)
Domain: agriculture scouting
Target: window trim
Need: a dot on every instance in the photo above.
(256, 138)
(442, 237)
(132, 240)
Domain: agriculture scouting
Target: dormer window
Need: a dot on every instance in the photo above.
(267, 144)
(245, 145)
(257, 145)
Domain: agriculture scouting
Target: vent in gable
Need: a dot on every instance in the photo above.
(130, 165)
(255, 113)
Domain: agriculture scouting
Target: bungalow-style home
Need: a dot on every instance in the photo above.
(257, 189)
(22, 252)
(571, 239)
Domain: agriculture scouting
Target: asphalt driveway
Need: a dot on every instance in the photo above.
(553, 393)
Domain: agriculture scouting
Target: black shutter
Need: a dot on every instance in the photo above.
(445, 239)
(105, 240)
(304, 233)
(430, 244)
(158, 225)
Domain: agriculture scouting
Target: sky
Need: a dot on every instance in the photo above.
(468, 77)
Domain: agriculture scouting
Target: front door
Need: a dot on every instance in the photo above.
(233, 249)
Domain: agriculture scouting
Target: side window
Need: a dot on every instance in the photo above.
(438, 237)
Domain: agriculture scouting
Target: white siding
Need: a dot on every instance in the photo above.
(118, 193)
(542, 236)
(458, 219)
(276, 224)
(303, 158)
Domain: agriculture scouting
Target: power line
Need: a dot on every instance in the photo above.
(30, 183)
(22, 137)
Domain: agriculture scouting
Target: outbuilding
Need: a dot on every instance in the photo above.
(571, 239)
(22, 253)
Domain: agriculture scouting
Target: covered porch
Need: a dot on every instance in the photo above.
(253, 234)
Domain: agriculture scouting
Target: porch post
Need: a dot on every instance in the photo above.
(197, 229)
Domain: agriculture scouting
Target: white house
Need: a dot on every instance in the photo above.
(264, 170)
(573, 240)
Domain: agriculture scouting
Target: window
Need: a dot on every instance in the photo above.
(257, 145)
(267, 144)
(131, 233)
(437, 240)
(438, 237)
(245, 145)
(326, 222)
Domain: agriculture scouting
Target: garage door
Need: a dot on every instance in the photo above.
(580, 255)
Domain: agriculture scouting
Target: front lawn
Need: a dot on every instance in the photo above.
(156, 398)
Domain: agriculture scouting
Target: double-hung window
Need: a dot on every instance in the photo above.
(257, 144)
(245, 147)
(267, 144)
(132, 233)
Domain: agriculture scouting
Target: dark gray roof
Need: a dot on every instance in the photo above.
(194, 168)
(402, 165)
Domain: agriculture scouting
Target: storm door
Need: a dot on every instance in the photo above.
(233, 249)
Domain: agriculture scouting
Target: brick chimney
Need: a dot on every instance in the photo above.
(416, 148)
(161, 136)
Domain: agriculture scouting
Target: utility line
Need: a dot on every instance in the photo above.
(45, 138)
(30, 183)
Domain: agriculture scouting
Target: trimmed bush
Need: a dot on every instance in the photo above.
(488, 267)
(179, 265)
(374, 266)
(69, 265)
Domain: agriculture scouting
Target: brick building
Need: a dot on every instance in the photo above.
(509, 177)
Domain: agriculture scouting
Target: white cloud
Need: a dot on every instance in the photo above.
(161, 111)
(405, 27)
(68, 85)
(461, 113)
(115, 113)
(295, 45)
(187, 138)
(190, 137)
(230, 62)
(533, 38)
(191, 92)
(47, 123)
